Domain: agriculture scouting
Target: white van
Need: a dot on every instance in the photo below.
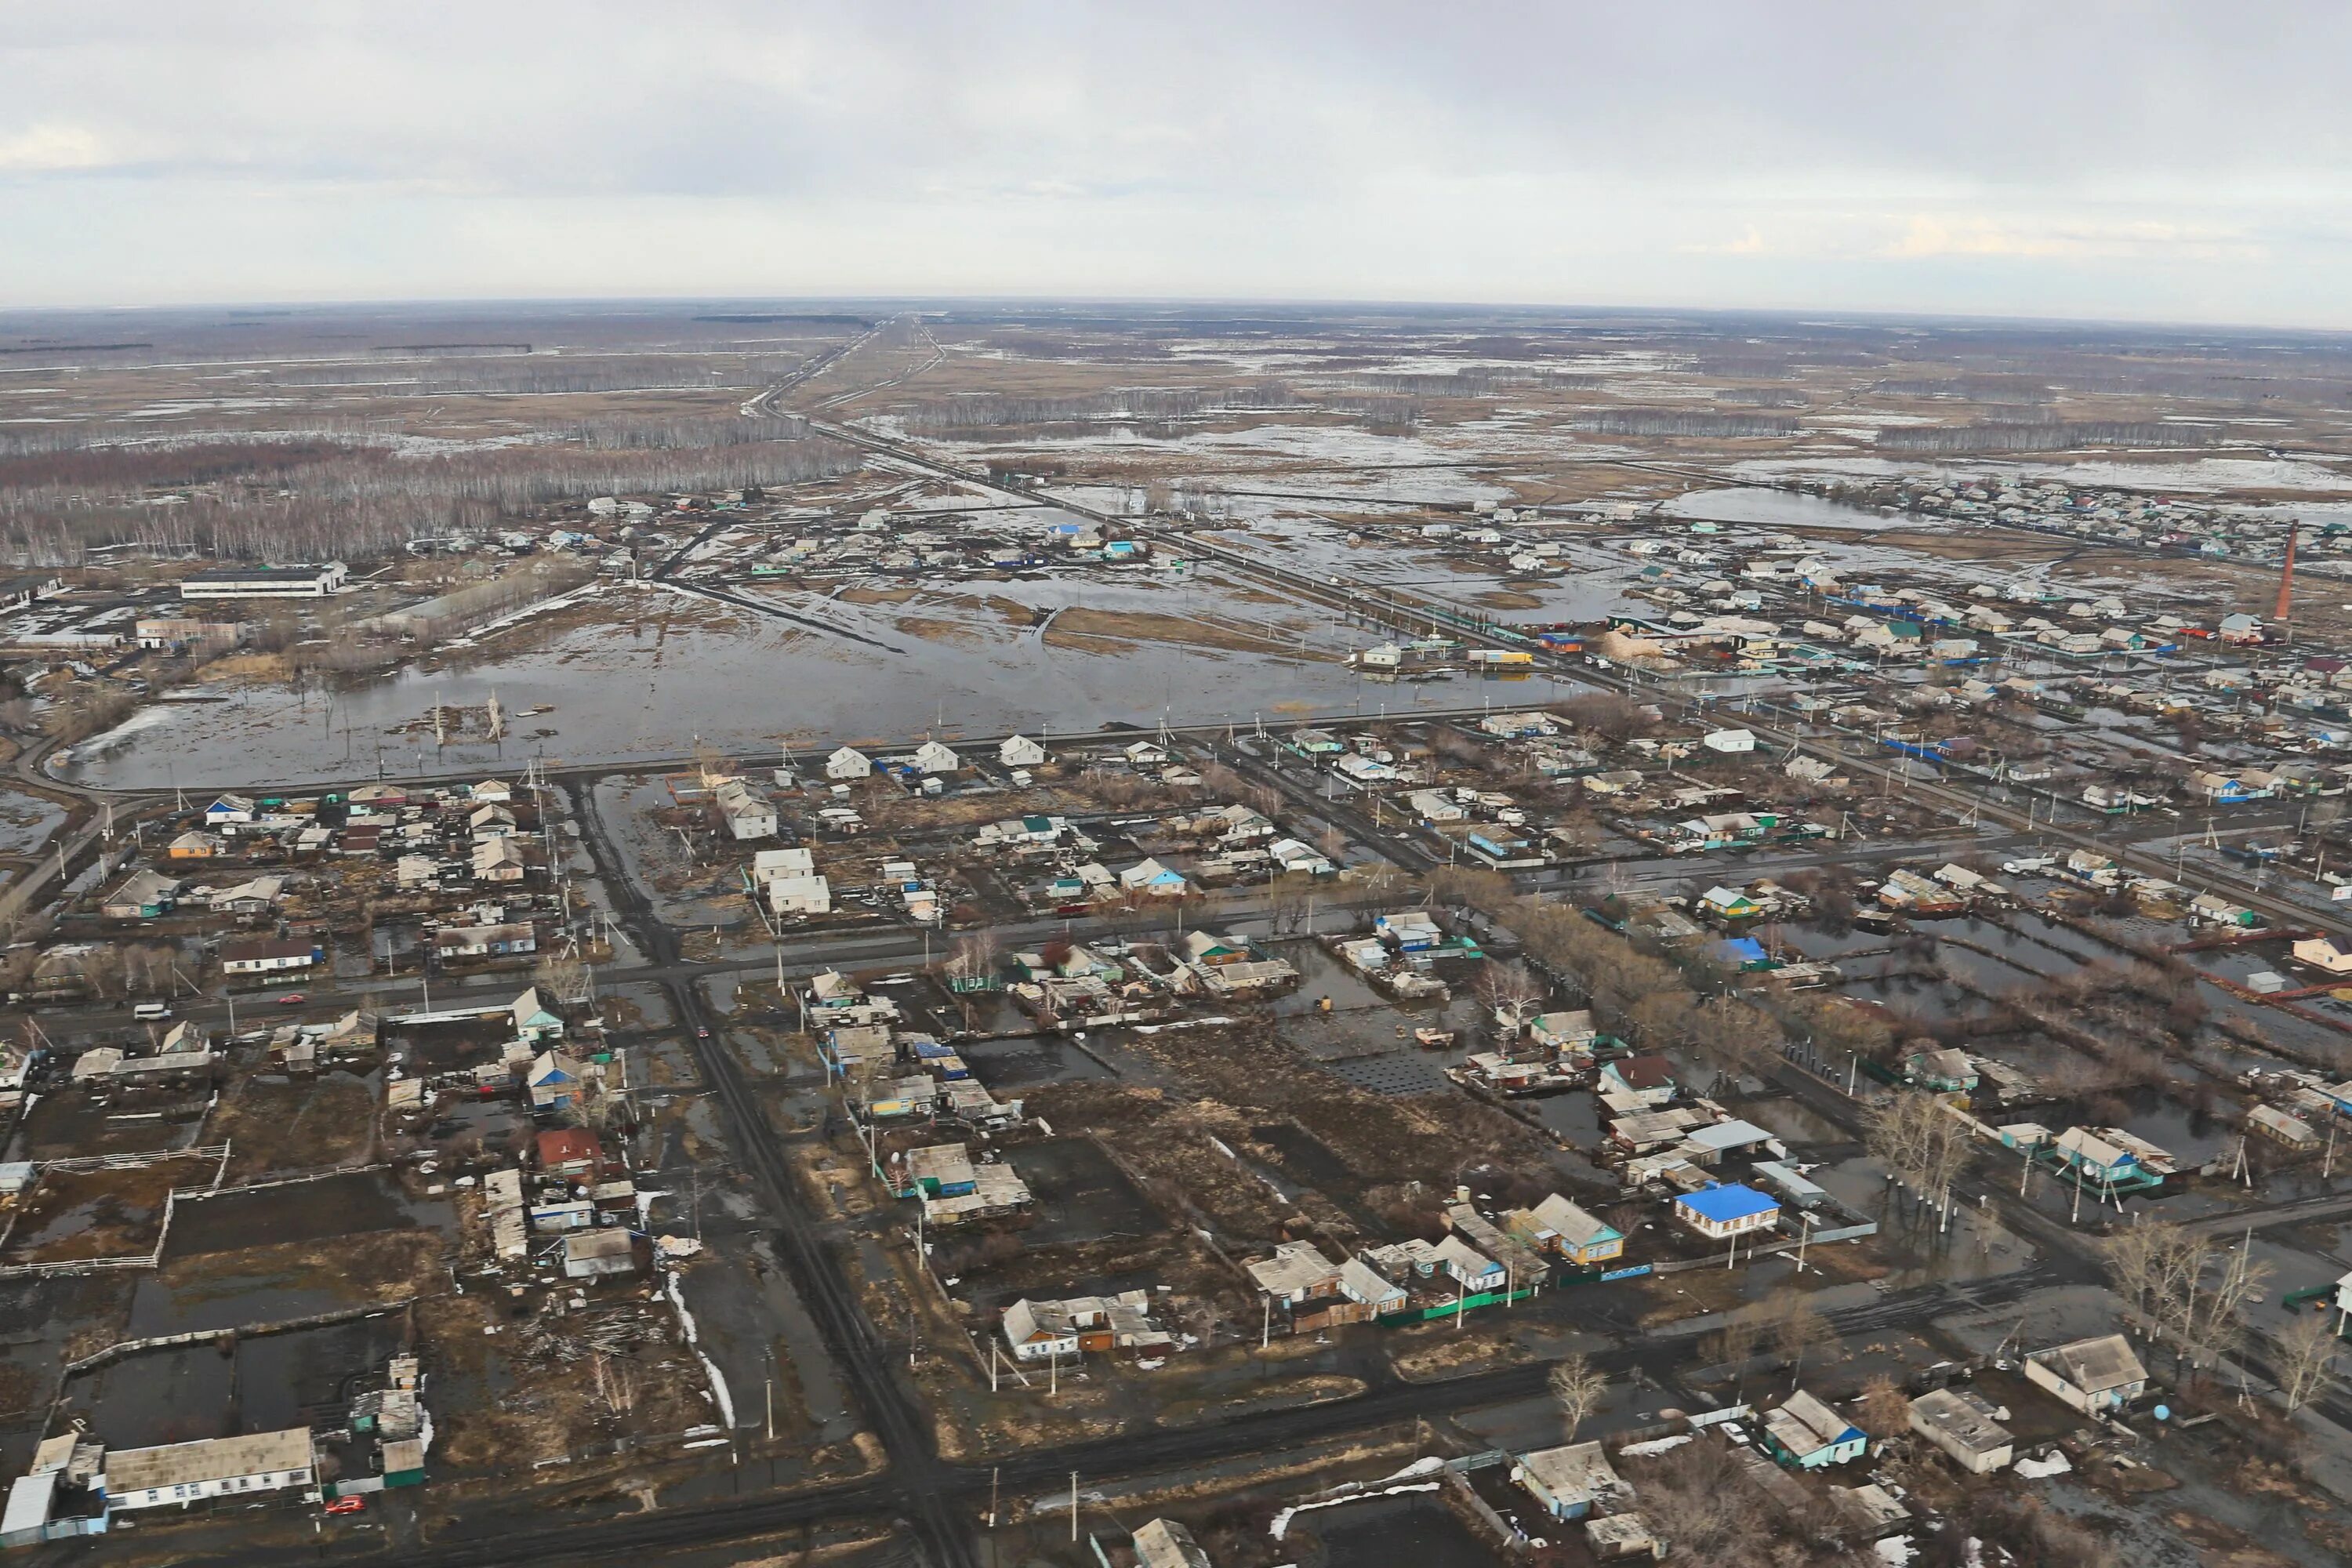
(147, 1011)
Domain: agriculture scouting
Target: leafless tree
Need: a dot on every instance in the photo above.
(1796, 1329)
(1508, 993)
(563, 977)
(2307, 1356)
(1577, 1387)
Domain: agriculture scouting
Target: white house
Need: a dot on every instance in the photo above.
(749, 813)
(2094, 1375)
(931, 757)
(848, 764)
(1719, 1213)
(806, 895)
(1020, 751)
(1729, 742)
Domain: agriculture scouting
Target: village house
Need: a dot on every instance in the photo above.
(1567, 1482)
(1806, 1434)
(1297, 1272)
(1042, 1330)
(1722, 1212)
(2096, 1375)
(1965, 1427)
(1020, 751)
(1164, 1544)
(570, 1153)
(1561, 1226)
(268, 955)
(498, 860)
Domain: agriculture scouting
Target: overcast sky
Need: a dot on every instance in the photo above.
(2073, 159)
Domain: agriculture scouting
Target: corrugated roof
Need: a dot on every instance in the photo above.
(207, 1460)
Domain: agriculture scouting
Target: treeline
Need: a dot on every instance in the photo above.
(1654, 999)
(989, 411)
(1764, 397)
(1969, 388)
(462, 609)
(545, 374)
(1947, 440)
(1475, 382)
(687, 434)
(1683, 422)
(361, 503)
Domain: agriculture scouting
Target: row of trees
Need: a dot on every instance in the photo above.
(358, 502)
(1940, 440)
(1684, 422)
(989, 410)
(522, 372)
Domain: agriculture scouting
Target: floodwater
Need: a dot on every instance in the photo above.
(648, 686)
(1414, 1528)
(258, 1382)
(27, 822)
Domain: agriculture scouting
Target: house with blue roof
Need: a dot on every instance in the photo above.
(1805, 1434)
(1726, 1210)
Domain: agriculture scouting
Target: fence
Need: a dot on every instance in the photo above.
(151, 1259)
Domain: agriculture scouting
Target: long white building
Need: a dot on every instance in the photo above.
(267, 582)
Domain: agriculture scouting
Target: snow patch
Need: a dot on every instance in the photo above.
(710, 1368)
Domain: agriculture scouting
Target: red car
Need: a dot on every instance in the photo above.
(347, 1505)
(291, 999)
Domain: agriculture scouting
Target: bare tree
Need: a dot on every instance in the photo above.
(1509, 994)
(1796, 1328)
(1734, 1345)
(974, 957)
(1885, 1412)
(1577, 1387)
(2307, 1356)
(563, 977)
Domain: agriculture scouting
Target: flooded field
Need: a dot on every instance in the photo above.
(307, 1211)
(27, 822)
(256, 1383)
(1081, 1195)
(645, 685)
(1416, 1529)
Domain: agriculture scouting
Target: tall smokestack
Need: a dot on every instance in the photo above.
(2286, 578)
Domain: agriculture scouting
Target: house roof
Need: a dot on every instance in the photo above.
(207, 1460)
(1164, 1544)
(2095, 1366)
(1359, 1281)
(1295, 1266)
(564, 1145)
(1723, 1204)
(1964, 1418)
(1804, 1425)
(1454, 1250)
(1645, 1072)
(1571, 1223)
(1574, 1471)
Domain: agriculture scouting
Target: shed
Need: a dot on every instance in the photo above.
(597, 1254)
(1965, 1427)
